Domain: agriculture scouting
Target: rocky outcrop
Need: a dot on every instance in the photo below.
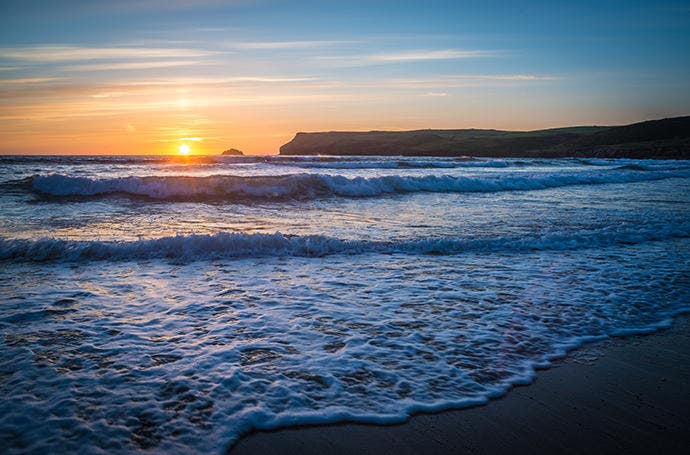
(232, 152)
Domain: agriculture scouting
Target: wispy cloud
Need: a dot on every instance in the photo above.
(405, 56)
(75, 53)
(62, 89)
(284, 45)
(511, 77)
(210, 29)
(444, 54)
(80, 107)
(211, 81)
(28, 80)
(462, 80)
(130, 65)
(152, 86)
(109, 94)
(222, 80)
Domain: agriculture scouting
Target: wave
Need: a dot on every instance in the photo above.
(115, 160)
(310, 186)
(398, 164)
(633, 167)
(240, 245)
(316, 161)
(304, 162)
(486, 163)
(330, 162)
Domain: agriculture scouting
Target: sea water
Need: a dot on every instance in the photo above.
(178, 304)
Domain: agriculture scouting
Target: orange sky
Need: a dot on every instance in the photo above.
(145, 77)
(156, 116)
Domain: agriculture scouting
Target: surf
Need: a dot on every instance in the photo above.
(242, 245)
(305, 186)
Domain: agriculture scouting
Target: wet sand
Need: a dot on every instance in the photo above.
(627, 395)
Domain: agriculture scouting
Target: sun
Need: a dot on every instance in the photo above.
(183, 150)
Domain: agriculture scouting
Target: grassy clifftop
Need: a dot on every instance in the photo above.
(666, 138)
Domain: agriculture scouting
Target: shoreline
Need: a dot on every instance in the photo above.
(625, 394)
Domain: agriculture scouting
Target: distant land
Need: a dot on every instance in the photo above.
(232, 152)
(666, 138)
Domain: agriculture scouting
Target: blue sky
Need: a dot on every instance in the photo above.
(138, 76)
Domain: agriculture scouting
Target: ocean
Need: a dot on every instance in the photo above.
(176, 304)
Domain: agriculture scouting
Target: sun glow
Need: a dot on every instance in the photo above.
(183, 150)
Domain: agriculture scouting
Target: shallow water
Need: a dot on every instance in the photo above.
(150, 303)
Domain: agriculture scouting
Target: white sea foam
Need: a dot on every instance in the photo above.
(180, 358)
(234, 245)
(181, 344)
(395, 164)
(307, 186)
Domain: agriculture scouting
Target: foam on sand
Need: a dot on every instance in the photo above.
(179, 358)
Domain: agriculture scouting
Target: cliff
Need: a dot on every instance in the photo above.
(666, 138)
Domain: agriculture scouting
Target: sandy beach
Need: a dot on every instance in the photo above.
(625, 395)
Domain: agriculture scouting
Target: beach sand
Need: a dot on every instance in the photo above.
(626, 395)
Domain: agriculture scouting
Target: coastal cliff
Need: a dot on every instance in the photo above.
(666, 138)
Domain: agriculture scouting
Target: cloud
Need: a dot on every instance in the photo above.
(28, 80)
(131, 65)
(74, 53)
(284, 45)
(210, 29)
(511, 77)
(462, 80)
(271, 79)
(405, 56)
(444, 54)
(109, 94)
(205, 81)
(61, 89)
(156, 86)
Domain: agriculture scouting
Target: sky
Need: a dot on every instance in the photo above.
(145, 77)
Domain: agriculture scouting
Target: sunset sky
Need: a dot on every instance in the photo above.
(148, 76)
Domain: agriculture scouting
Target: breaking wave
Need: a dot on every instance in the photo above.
(397, 164)
(327, 162)
(310, 186)
(238, 245)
